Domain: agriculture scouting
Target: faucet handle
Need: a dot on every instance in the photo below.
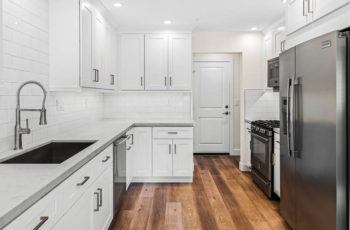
(27, 126)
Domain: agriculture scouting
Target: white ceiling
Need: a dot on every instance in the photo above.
(218, 15)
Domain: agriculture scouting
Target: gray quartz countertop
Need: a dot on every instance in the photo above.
(23, 185)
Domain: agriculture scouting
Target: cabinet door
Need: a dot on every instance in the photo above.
(180, 63)
(79, 217)
(183, 158)
(162, 158)
(156, 61)
(320, 8)
(87, 72)
(132, 61)
(103, 195)
(142, 158)
(297, 15)
(108, 77)
(98, 37)
(280, 38)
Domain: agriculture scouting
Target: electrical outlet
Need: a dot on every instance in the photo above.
(59, 105)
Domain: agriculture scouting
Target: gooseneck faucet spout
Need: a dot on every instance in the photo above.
(19, 131)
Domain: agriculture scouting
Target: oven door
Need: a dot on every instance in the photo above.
(262, 155)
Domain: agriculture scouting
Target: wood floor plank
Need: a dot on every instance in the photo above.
(157, 217)
(205, 211)
(132, 197)
(124, 220)
(221, 214)
(173, 216)
(141, 216)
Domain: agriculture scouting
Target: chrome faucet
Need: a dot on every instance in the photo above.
(19, 131)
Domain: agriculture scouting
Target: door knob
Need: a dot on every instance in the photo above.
(226, 113)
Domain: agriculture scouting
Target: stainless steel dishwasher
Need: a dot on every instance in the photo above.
(119, 172)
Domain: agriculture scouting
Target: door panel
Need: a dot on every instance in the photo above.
(87, 74)
(288, 197)
(211, 99)
(132, 61)
(162, 158)
(180, 62)
(156, 62)
(316, 162)
(142, 164)
(295, 17)
(182, 158)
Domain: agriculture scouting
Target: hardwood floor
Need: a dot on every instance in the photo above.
(221, 197)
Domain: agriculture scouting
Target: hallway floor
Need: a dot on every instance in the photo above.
(221, 197)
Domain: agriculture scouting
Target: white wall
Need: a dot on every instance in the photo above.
(26, 57)
(250, 47)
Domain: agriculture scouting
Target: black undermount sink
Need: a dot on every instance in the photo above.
(51, 153)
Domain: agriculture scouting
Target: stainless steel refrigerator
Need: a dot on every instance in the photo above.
(313, 96)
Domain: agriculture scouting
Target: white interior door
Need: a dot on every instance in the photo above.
(212, 131)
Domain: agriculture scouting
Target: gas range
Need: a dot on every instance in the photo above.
(264, 127)
(261, 153)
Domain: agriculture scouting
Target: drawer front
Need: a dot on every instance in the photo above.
(77, 184)
(42, 215)
(103, 160)
(173, 132)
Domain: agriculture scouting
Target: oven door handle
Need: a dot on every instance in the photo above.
(260, 137)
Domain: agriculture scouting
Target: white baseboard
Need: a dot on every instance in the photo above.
(235, 152)
(162, 180)
(244, 167)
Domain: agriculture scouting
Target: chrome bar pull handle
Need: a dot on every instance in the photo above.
(97, 202)
(100, 194)
(43, 220)
(310, 6)
(170, 78)
(84, 181)
(165, 81)
(95, 75)
(141, 80)
(169, 148)
(305, 5)
(112, 79)
(175, 148)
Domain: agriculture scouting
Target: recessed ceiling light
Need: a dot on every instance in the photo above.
(167, 22)
(281, 28)
(254, 28)
(284, 1)
(118, 4)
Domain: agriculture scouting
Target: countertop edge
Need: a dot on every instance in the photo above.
(31, 200)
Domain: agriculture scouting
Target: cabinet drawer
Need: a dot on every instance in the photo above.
(173, 132)
(77, 184)
(103, 160)
(45, 213)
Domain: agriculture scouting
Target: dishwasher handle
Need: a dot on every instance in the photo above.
(122, 140)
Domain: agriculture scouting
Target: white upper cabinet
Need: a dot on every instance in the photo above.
(81, 46)
(156, 62)
(297, 15)
(319, 8)
(302, 12)
(180, 62)
(132, 61)
(156, 69)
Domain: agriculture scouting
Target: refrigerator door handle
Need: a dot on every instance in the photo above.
(288, 116)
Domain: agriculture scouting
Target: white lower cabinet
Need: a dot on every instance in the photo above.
(182, 158)
(142, 154)
(103, 200)
(84, 201)
(162, 158)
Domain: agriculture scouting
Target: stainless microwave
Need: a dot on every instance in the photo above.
(273, 73)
